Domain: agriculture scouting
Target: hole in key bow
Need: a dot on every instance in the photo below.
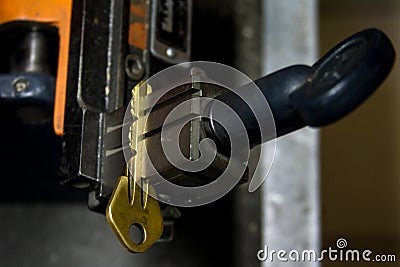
(137, 233)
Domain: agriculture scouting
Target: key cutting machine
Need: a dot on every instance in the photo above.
(86, 64)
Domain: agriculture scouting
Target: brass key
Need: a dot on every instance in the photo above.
(130, 205)
(122, 213)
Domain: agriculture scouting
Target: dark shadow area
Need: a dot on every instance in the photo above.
(30, 160)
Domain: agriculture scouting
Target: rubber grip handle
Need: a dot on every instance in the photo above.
(314, 95)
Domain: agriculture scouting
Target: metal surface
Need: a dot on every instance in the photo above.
(108, 55)
(290, 197)
(95, 95)
(96, 84)
(29, 46)
(190, 136)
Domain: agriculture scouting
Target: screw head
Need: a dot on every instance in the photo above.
(134, 67)
(21, 84)
(170, 52)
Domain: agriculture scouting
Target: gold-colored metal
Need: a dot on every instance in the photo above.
(130, 204)
(122, 214)
(136, 137)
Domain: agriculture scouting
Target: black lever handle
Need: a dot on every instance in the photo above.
(318, 95)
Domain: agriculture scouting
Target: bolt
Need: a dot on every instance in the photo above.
(21, 84)
(134, 67)
(170, 52)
